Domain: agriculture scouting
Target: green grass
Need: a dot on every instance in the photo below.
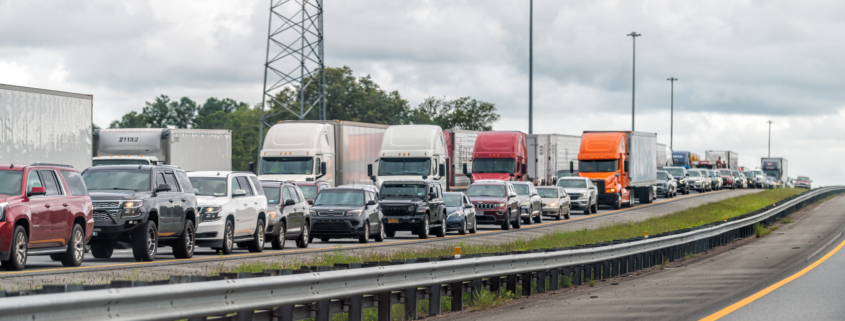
(692, 217)
(761, 230)
(787, 220)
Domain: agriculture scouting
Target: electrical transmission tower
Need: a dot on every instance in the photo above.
(294, 60)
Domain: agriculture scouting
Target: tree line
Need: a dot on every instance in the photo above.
(348, 98)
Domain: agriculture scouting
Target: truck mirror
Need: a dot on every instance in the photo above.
(370, 170)
(323, 168)
(163, 188)
(252, 167)
(524, 168)
(571, 167)
(465, 169)
(441, 170)
(625, 165)
(511, 174)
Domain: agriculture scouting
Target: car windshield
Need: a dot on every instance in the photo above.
(748, 174)
(572, 183)
(209, 186)
(117, 180)
(662, 176)
(803, 178)
(547, 192)
(310, 192)
(10, 182)
(404, 190)
(272, 194)
(521, 189)
(677, 172)
(694, 174)
(287, 165)
(598, 166)
(120, 162)
(340, 197)
(493, 165)
(758, 172)
(486, 191)
(567, 173)
(452, 200)
(404, 166)
(728, 173)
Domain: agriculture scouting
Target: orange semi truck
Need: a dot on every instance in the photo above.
(621, 164)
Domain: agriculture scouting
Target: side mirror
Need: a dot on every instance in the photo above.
(288, 202)
(252, 167)
(163, 188)
(36, 191)
(625, 165)
(524, 168)
(323, 168)
(468, 206)
(511, 174)
(240, 192)
(466, 172)
(310, 202)
(617, 175)
(686, 174)
(571, 167)
(370, 172)
(371, 202)
(441, 170)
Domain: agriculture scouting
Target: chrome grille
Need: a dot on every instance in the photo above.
(105, 204)
(101, 216)
(331, 213)
(574, 196)
(485, 206)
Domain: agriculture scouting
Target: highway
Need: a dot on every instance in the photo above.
(40, 269)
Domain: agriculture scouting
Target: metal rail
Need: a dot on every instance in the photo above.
(321, 294)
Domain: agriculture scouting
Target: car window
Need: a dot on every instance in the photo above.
(296, 195)
(487, 190)
(452, 200)
(75, 183)
(50, 184)
(272, 194)
(257, 184)
(32, 180)
(185, 182)
(286, 194)
(10, 182)
(245, 185)
(235, 185)
(171, 179)
(160, 179)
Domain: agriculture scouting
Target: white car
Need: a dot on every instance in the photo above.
(232, 209)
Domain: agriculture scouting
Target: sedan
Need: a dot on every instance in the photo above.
(555, 201)
(460, 213)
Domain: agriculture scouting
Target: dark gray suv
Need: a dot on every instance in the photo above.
(289, 216)
(347, 212)
(413, 205)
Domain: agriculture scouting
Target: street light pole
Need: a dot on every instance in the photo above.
(770, 137)
(634, 36)
(672, 80)
(531, 67)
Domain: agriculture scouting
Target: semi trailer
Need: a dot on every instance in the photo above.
(549, 156)
(459, 145)
(190, 149)
(714, 159)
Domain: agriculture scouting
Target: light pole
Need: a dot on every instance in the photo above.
(770, 137)
(634, 36)
(672, 80)
(531, 67)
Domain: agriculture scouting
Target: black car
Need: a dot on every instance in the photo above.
(142, 207)
(347, 212)
(413, 205)
(460, 213)
(290, 218)
(681, 176)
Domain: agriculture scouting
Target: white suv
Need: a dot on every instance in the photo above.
(232, 210)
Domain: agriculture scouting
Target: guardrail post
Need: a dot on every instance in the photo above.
(512, 284)
(576, 278)
(554, 279)
(457, 296)
(541, 281)
(434, 300)
(477, 286)
(495, 284)
(323, 311)
(411, 304)
(356, 308)
(526, 283)
(605, 269)
(385, 313)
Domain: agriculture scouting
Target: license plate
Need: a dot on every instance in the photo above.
(393, 220)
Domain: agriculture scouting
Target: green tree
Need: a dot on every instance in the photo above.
(131, 119)
(214, 113)
(183, 113)
(462, 113)
(157, 114)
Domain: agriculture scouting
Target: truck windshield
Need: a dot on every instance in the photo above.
(486, 190)
(572, 183)
(10, 182)
(452, 200)
(340, 197)
(310, 192)
(404, 166)
(209, 186)
(676, 172)
(493, 165)
(598, 166)
(567, 173)
(662, 176)
(120, 162)
(547, 192)
(772, 173)
(409, 190)
(272, 194)
(117, 180)
(287, 165)
(521, 189)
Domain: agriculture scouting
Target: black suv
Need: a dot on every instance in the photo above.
(347, 212)
(413, 205)
(142, 207)
(681, 176)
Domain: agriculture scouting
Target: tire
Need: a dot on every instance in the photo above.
(228, 238)
(595, 208)
(365, 237)
(441, 231)
(667, 195)
(17, 257)
(380, 236)
(463, 230)
(568, 212)
(102, 251)
(278, 242)
(517, 223)
(507, 224)
(76, 247)
(423, 229)
(587, 209)
(145, 242)
(390, 233)
(474, 226)
(559, 214)
(257, 243)
(618, 204)
(305, 237)
(184, 246)
(539, 218)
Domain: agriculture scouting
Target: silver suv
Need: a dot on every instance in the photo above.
(582, 193)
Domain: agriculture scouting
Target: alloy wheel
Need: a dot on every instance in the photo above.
(151, 242)
(20, 248)
(78, 245)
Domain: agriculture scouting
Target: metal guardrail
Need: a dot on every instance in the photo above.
(349, 289)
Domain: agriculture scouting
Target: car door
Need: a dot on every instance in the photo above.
(468, 212)
(166, 212)
(371, 210)
(535, 198)
(513, 202)
(39, 210)
(260, 200)
(60, 214)
(438, 201)
(177, 199)
(293, 213)
(247, 215)
(301, 205)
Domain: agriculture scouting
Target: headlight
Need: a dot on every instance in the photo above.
(524, 203)
(609, 190)
(584, 194)
(500, 205)
(552, 204)
(211, 213)
(313, 213)
(455, 214)
(132, 208)
(353, 213)
(3, 210)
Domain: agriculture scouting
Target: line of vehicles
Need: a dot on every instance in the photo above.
(145, 188)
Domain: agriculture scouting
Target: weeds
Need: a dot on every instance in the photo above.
(487, 300)
(761, 230)
(664, 264)
(565, 282)
(787, 220)
(591, 282)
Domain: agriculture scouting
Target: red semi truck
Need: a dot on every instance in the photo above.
(499, 155)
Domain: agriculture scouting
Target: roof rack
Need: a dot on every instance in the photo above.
(49, 164)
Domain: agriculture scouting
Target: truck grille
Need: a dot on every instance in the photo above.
(101, 216)
(600, 185)
(330, 227)
(574, 196)
(105, 204)
(397, 210)
(485, 206)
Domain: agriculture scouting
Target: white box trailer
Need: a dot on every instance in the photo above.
(549, 156)
(642, 159)
(190, 149)
(45, 126)
(459, 144)
(661, 155)
(720, 159)
(294, 150)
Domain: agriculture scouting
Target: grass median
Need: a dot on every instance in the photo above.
(703, 214)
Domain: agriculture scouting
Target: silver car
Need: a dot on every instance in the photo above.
(715, 180)
(697, 180)
(556, 202)
(666, 184)
(582, 193)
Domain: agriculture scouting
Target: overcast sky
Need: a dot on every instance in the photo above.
(740, 63)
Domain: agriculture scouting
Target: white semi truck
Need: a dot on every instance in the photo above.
(45, 126)
(777, 168)
(190, 149)
(549, 156)
(334, 151)
(412, 152)
(719, 159)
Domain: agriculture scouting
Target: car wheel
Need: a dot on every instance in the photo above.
(228, 238)
(568, 211)
(17, 257)
(365, 237)
(183, 248)
(145, 242)
(423, 228)
(380, 235)
(463, 230)
(517, 223)
(559, 213)
(304, 238)
(257, 244)
(390, 233)
(279, 241)
(618, 204)
(102, 251)
(595, 208)
(507, 224)
(587, 209)
(539, 218)
(76, 247)
(474, 226)
(441, 231)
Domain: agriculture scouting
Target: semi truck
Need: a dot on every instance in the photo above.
(549, 156)
(685, 159)
(719, 159)
(499, 155)
(621, 164)
(333, 151)
(662, 155)
(459, 145)
(777, 168)
(45, 126)
(412, 152)
(190, 149)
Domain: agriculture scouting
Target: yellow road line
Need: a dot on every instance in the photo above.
(345, 246)
(755, 296)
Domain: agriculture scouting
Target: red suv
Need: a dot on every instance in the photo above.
(44, 209)
(496, 202)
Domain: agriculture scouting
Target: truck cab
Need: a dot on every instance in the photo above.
(296, 151)
(621, 164)
(500, 155)
(412, 152)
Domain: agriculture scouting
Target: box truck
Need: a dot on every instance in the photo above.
(499, 155)
(621, 164)
(45, 126)
(685, 159)
(190, 149)
(777, 168)
(719, 159)
(459, 146)
(412, 152)
(663, 156)
(549, 156)
(334, 151)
